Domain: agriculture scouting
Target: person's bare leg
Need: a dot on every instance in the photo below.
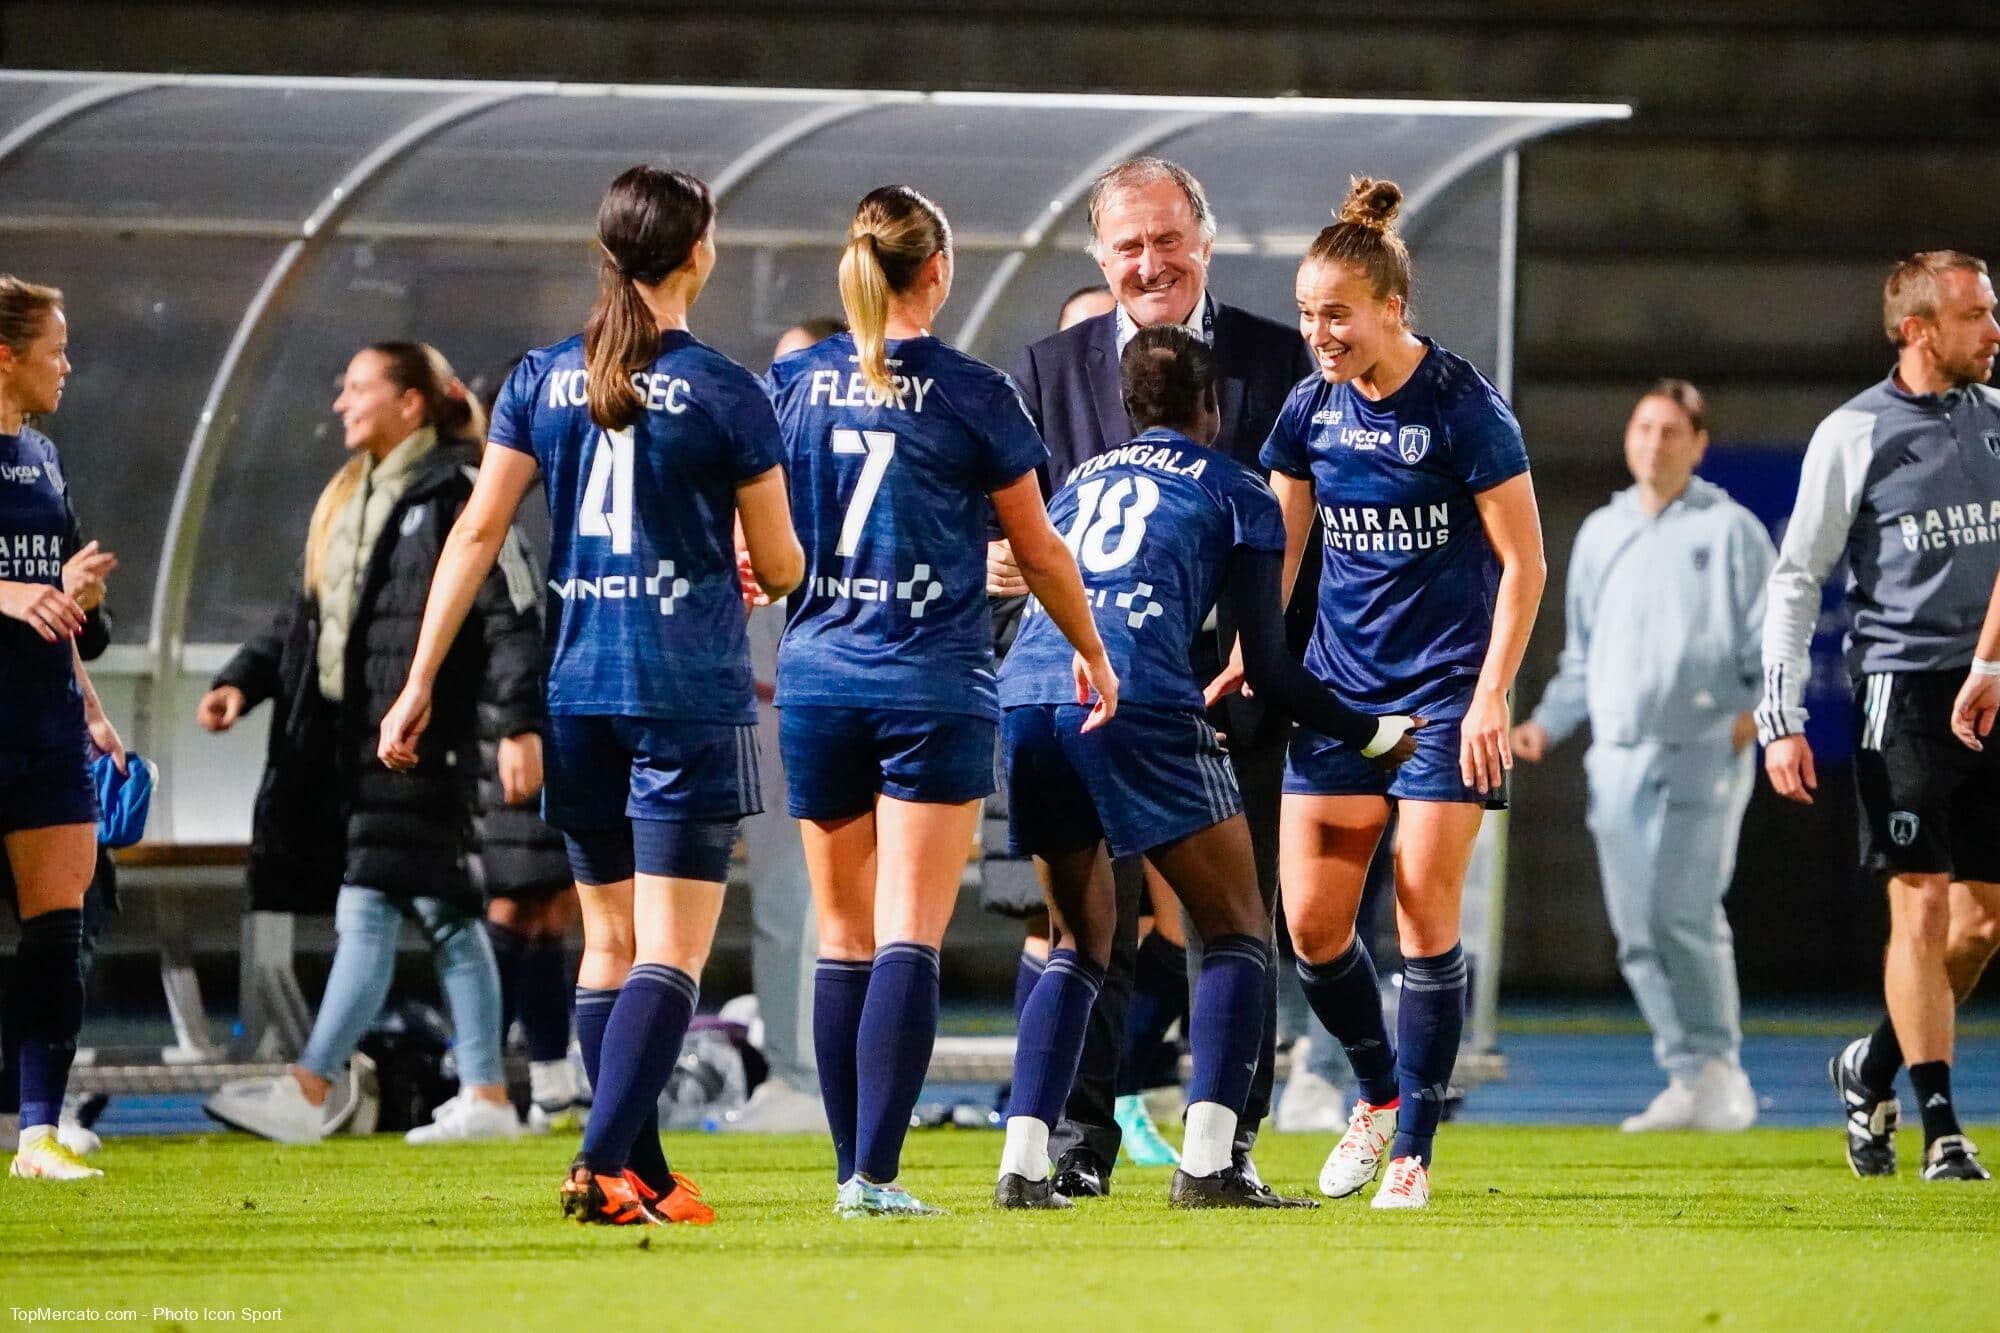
(1914, 976)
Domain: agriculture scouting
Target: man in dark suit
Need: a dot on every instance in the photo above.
(1152, 234)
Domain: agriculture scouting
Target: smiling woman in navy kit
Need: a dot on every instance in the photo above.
(1431, 577)
(49, 720)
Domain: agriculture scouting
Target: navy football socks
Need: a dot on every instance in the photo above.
(892, 1053)
(49, 967)
(1027, 972)
(1226, 1027)
(542, 999)
(1431, 1021)
(1346, 997)
(840, 989)
(1159, 996)
(641, 1042)
(1051, 1035)
(647, 1158)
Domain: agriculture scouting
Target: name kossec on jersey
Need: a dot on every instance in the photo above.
(648, 612)
(889, 496)
(1152, 524)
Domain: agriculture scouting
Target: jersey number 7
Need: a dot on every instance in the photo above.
(880, 447)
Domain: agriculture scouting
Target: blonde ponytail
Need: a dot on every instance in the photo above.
(895, 229)
(864, 295)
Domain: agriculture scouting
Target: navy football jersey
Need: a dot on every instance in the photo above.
(890, 499)
(647, 612)
(1408, 579)
(1152, 524)
(40, 704)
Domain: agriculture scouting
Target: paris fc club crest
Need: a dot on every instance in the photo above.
(1992, 440)
(1902, 827)
(1413, 442)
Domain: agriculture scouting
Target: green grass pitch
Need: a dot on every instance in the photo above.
(1530, 1228)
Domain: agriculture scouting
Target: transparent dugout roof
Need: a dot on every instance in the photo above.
(227, 243)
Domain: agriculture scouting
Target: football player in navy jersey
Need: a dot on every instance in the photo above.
(901, 450)
(1431, 577)
(653, 448)
(49, 720)
(1160, 527)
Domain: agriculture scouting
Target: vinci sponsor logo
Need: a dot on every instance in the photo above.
(1386, 527)
(661, 586)
(919, 590)
(25, 473)
(1971, 524)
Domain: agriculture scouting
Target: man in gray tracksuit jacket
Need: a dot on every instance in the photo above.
(1663, 612)
(1903, 483)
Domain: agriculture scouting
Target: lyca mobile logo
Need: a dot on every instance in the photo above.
(25, 473)
(1363, 437)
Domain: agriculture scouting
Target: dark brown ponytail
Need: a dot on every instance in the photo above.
(647, 225)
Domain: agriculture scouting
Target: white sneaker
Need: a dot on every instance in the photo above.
(466, 1117)
(1674, 1108)
(73, 1136)
(1310, 1104)
(1725, 1103)
(556, 1098)
(777, 1107)
(273, 1108)
(10, 1131)
(1407, 1184)
(1355, 1159)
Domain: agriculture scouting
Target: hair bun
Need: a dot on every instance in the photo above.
(1370, 203)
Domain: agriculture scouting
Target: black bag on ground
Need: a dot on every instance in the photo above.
(410, 1044)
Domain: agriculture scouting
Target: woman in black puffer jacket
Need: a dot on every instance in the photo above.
(523, 867)
(332, 826)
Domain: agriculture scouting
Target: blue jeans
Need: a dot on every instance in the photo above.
(368, 924)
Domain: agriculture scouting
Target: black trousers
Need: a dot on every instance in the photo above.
(1088, 1121)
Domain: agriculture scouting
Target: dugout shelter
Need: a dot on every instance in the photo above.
(226, 243)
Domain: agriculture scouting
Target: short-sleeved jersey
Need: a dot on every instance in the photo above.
(648, 614)
(1408, 583)
(1152, 524)
(890, 499)
(40, 704)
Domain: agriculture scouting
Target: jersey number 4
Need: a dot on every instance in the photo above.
(606, 510)
(879, 447)
(1110, 523)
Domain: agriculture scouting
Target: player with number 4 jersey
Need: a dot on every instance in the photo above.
(900, 449)
(656, 449)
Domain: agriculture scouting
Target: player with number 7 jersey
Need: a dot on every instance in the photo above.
(899, 452)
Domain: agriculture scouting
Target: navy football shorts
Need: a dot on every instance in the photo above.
(1319, 765)
(1147, 777)
(604, 770)
(45, 788)
(838, 759)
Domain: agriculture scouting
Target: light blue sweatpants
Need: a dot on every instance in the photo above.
(1666, 818)
(784, 945)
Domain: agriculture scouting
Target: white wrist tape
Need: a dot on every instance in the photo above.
(1388, 730)
(1984, 667)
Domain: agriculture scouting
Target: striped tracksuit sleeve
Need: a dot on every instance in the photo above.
(1830, 490)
